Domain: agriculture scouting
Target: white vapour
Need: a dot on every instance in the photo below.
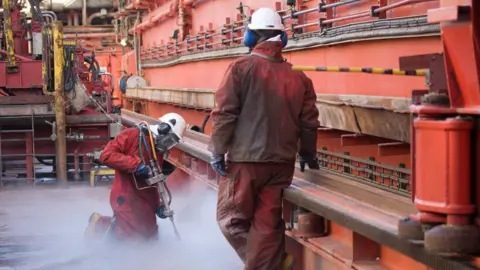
(43, 229)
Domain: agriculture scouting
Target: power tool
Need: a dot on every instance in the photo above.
(156, 177)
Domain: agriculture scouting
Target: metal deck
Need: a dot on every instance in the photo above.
(43, 229)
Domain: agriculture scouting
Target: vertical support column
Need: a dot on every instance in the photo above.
(7, 28)
(86, 166)
(76, 165)
(59, 62)
(29, 157)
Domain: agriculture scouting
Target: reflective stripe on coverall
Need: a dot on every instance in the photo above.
(263, 110)
(134, 209)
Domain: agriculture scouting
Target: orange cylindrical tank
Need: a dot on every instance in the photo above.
(442, 165)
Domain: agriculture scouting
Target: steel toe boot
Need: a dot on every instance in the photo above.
(288, 262)
(91, 231)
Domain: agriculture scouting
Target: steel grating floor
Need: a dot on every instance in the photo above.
(43, 229)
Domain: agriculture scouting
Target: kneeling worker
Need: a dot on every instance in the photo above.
(133, 202)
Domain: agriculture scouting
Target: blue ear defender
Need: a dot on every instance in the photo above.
(284, 38)
(250, 39)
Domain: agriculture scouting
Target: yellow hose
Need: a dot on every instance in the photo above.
(152, 143)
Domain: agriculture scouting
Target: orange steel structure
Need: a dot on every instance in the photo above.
(390, 147)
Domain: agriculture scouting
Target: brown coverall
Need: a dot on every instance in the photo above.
(263, 110)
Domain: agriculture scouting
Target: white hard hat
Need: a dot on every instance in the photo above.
(266, 19)
(176, 123)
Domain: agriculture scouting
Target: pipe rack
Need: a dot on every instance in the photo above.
(231, 35)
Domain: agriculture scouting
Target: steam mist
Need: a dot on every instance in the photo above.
(43, 230)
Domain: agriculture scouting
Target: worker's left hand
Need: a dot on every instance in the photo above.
(218, 164)
(161, 212)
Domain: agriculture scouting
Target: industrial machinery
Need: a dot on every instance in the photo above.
(397, 96)
(53, 92)
(397, 85)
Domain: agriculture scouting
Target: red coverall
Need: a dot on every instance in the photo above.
(263, 110)
(134, 210)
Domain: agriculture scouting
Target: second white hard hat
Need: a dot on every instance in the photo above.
(176, 123)
(266, 19)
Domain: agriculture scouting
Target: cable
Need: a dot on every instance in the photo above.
(69, 78)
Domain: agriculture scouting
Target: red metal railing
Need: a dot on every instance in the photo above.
(231, 34)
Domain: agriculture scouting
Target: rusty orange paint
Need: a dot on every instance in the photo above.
(397, 261)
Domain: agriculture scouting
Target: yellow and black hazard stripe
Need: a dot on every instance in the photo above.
(389, 71)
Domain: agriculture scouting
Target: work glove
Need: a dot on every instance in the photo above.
(161, 212)
(312, 162)
(167, 168)
(218, 164)
(142, 171)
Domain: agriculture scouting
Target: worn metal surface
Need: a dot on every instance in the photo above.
(36, 109)
(28, 99)
(61, 142)
(354, 113)
(42, 229)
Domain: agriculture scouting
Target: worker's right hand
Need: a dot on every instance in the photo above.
(312, 163)
(218, 164)
(142, 171)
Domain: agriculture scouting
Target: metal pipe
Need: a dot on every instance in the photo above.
(87, 29)
(69, 19)
(90, 119)
(89, 35)
(76, 19)
(84, 12)
(399, 4)
(61, 142)
(349, 17)
(136, 46)
(171, 11)
(99, 14)
(417, 72)
(337, 4)
(55, 18)
(320, 8)
(16, 55)
(112, 80)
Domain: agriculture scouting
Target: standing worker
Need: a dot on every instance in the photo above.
(265, 114)
(133, 202)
